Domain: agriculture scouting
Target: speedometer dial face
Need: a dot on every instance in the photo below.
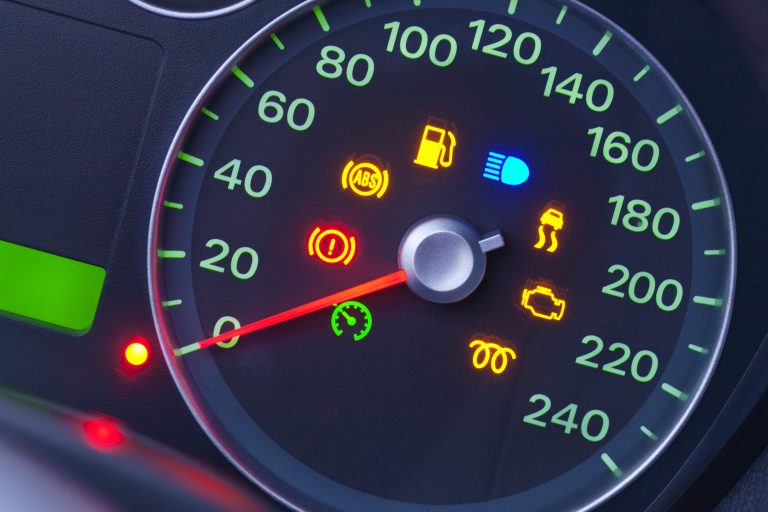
(472, 255)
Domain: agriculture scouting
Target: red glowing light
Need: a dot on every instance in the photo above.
(102, 434)
(137, 352)
(332, 244)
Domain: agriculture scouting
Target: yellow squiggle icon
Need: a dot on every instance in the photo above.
(492, 353)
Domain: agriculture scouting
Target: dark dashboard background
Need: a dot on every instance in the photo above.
(93, 93)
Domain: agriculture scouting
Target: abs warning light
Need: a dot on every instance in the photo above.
(332, 244)
(365, 179)
(542, 301)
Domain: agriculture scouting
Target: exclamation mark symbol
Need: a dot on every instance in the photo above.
(331, 245)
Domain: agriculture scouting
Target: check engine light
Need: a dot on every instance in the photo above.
(365, 179)
(332, 245)
(542, 302)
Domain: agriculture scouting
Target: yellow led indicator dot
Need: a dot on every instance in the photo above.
(491, 355)
(136, 353)
(332, 244)
(552, 221)
(542, 301)
(434, 150)
(365, 179)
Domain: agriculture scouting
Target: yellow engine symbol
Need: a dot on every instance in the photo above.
(365, 179)
(491, 353)
(542, 302)
(434, 152)
(554, 220)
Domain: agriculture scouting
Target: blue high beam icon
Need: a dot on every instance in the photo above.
(509, 170)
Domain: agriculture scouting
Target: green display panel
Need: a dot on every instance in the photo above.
(48, 290)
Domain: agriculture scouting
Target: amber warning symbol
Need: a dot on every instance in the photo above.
(365, 179)
(332, 245)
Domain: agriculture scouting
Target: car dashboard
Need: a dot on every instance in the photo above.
(174, 171)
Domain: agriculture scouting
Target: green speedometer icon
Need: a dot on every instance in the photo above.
(353, 318)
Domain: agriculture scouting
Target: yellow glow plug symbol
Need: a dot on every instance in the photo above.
(554, 220)
(492, 353)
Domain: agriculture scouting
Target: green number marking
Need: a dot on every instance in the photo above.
(229, 174)
(616, 149)
(247, 254)
(585, 359)
(531, 419)
(526, 48)
(636, 218)
(566, 418)
(331, 66)
(220, 323)
(568, 424)
(643, 366)
(414, 43)
(271, 110)
(571, 87)
(645, 280)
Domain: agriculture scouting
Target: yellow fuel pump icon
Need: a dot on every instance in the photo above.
(434, 151)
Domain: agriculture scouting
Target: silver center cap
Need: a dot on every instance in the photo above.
(444, 257)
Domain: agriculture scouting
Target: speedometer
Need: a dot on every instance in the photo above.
(442, 254)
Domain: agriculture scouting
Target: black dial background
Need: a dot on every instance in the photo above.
(404, 415)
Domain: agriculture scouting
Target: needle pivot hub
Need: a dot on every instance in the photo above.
(444, 257)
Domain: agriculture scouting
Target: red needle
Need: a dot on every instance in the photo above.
(372, 286)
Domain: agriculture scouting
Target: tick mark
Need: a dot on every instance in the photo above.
(672, 390)
(321, 19)
(642, 73)
(669, 114)
(193, 160)
(608, 461)
(707, 301)
(703, 205)
(602, 43)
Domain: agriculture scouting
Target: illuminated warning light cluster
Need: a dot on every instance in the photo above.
(436, 146)
(552, 221)
(333, 244)
(506, 169)
(365, 178)
(488, 354)
(542, 301)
